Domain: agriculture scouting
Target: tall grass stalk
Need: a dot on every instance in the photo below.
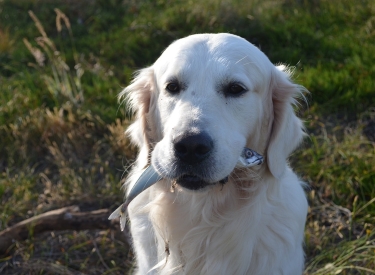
(62, 84)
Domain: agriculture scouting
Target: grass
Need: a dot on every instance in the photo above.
(338, 162)
(61, 131)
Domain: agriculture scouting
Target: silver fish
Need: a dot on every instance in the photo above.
(249, 158)
(149, 177)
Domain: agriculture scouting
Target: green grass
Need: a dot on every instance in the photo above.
(61, 131)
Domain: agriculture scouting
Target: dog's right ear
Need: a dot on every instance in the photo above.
(287, 129)
(139, 97)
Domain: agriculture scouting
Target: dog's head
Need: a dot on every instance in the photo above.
(206, 98)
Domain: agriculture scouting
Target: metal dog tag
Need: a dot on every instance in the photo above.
(149, 177)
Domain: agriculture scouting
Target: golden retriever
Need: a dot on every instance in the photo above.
(205, 99)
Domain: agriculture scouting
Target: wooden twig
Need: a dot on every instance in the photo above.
(99, 255)
(67, 218)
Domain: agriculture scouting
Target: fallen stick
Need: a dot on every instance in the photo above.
(67, 218)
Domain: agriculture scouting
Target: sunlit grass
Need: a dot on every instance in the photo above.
(337, 161)
(352, 257)
(341, 165)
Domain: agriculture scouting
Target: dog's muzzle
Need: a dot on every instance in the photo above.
(149, 177)
(190, 150)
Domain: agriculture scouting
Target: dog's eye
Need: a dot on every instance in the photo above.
(235, 89)
(173, 87)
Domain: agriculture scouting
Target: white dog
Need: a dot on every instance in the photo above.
(205, 99)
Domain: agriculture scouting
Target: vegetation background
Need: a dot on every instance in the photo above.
(61, 128)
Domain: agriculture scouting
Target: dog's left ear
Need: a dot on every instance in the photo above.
(287, 129)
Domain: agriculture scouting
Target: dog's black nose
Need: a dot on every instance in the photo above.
(193, 148)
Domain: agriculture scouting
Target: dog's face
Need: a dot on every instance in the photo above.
(204, 100)
(208, 105)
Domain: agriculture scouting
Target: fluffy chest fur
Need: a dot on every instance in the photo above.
(257, 233)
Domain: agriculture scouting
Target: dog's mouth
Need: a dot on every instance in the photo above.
(247, 158)
(193, 182)
(150, 176)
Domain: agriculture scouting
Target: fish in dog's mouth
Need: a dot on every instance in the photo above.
(150, 176)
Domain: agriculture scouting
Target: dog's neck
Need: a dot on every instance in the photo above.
(179, 216)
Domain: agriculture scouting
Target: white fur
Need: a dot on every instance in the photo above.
(253, 224)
